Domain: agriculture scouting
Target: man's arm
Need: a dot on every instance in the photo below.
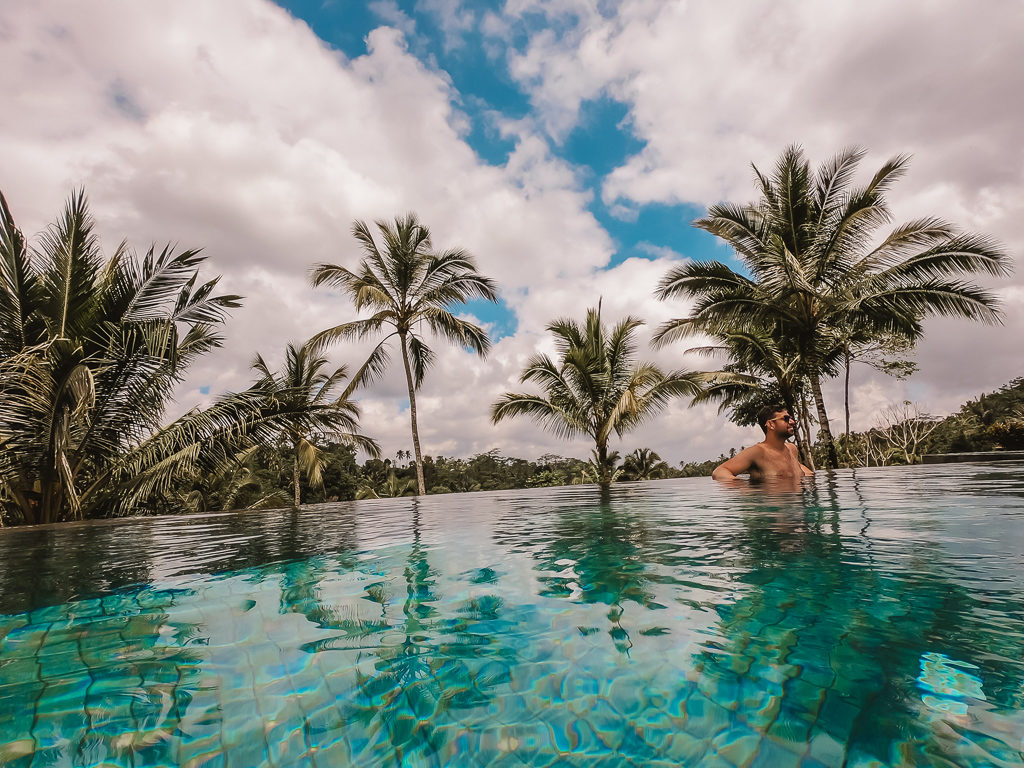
(741, 462)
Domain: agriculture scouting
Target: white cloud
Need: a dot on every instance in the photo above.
(389, 12)
(261, 145)
(453, 17)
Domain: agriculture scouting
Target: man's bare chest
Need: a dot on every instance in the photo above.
(774, 463)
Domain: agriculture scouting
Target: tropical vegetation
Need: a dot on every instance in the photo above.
(90, 351)
(92, 348)
(596, 388)
(644, 464)
(819, 281)
(306, 387)
(406, 284)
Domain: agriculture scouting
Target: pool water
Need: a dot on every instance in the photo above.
(865, 619)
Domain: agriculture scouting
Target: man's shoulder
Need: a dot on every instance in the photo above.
(752, 452)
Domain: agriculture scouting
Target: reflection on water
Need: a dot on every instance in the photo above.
(860, 619)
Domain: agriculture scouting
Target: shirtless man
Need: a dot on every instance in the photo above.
(773, 458)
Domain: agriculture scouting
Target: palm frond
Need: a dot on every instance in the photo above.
(462, 332)
(19, 288)
(421, 357)
(70, 264)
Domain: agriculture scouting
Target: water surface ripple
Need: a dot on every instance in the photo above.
(866, 618)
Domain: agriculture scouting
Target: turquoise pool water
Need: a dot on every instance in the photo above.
(865, 619)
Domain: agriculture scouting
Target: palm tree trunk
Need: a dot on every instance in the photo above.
(805, 419)
(295, 478)
(604, 478)
(412, 417)
(823, 428)
(846, 403)
(803, 447)
(50, 499)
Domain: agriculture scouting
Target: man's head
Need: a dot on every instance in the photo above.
(776, 417)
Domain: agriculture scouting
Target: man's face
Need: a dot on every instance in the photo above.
(783, 424)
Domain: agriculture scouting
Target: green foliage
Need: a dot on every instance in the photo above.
(644, 464)
(392, 487)
(306, 388)
(990, 422)
(596, 388)
(90, 351)
(1008, 435)
(700, 468)
(819, 281)
(406, 286)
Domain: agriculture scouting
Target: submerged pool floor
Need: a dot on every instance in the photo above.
(866, 619)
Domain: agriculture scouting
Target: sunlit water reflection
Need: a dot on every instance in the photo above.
(864, 619)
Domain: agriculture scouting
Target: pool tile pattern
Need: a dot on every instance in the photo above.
(860, 623)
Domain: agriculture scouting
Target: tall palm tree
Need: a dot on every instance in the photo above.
(815, 266)
(90, 351)
(596, 388)
(306, 386)
(406, 285)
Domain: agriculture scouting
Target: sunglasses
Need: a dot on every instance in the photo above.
(787, 418)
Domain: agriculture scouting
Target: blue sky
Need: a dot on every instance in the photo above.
(601, 141)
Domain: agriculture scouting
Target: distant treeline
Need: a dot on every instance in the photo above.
(265, 479)
(990, 422)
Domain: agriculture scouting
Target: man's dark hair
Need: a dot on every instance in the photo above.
(766, 413)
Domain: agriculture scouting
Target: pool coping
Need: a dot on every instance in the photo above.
(950, 458)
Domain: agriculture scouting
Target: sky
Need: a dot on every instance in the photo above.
(567, 144)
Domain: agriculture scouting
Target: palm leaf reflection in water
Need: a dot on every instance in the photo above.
(818, 646)
(596, 558)
(841, 623)
(110, 682)
(423, 668)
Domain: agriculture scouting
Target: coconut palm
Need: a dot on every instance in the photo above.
(592, 471)
(90, 351)
(306, 387)
(393, 487)
(815, 267)
(644, 464)
(406, 285)
(762, 371)
(596, 388)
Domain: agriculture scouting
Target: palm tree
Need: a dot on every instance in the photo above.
(644, 464)
(306, 387)
(596, 388)
(815, 267)
(406, 285)
(221, 490)
(393, 487)
(762, 371)
(90, 351)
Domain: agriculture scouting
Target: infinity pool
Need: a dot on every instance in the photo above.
(866, 619)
